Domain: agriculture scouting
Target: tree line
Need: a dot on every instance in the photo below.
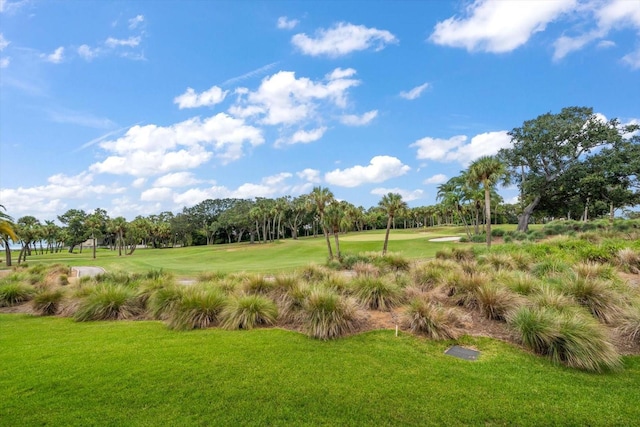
(572, 164)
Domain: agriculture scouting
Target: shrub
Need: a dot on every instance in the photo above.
(425, 318)
(478, 238)
(376, 293)
(328, 315)
(496, 302)
(508, 239)
(47, 302)
(598, 296)
(497, 232)
(14, 293)
(109, 302)
(573, 340)
(197, 308)
(350, 260)
(249, 311)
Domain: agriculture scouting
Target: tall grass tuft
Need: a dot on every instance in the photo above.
(393, 262)
(628, 260)
(426, 318)
(163, 300)
(328, 315)
(249, 311)
(549, 267)
(314, 273)
(629, 326)
(495, 301)
(197, 308)
(598, 296)
(291, 303)
(366, 269)
(376, 293)
(210, 276)
(593, 270)
(570, 339)
(109, 302)
(47, 302)
(519, 282)
(257, 284)
(499, 261)
(547, 296)
(427, 276)
(14, 293)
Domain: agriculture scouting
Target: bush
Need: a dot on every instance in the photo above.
(570, 339)
(508, 239)
(478, 238)
(249, 311)
(14, 293)
(109, 302)
(425, 318)
(496, 302)
(349, 261)
(376, 293)
(47, 302)
(197, 308)
(328, 315)
(497, 232)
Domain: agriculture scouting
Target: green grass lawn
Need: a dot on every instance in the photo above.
(268, 258)
(57, 372)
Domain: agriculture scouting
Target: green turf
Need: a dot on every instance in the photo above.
(273, 257)
(57, 372)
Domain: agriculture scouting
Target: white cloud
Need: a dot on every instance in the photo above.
(158, 194)
(311, 175)
(285, 23)
(456, 149)
(605, 44)
(283, 99)
(4, 62)
(499, 26)
(381, 168)
(7, 6)
(87, 53)
(191, 99)
(632, 59)
(355, 120)
(177, 179)
(415, 92)
(139, 182)
(407, 195)
(135, 21)
(55, 57)
(150, 150)
(341, 73)
(342, 39)
(3, 42)
(436, 179)
(302, 137)
(130, 42)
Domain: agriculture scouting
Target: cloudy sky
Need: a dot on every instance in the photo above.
(143, 106)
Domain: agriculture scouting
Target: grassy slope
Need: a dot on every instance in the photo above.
(271, 257)
(57, 372)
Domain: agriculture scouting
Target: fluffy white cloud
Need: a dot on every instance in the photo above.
(139, 182)
(302, 137)
(4, 62)
(407, 195)
(136, 21)
(130, 42)
(436, 179)
(50, 198)
(191, 99)
(342, 39)
(632, 59)
(55, 57)
(3, 42)
(456, 148)
(499, 26)
(355, 120)
(381, 168)
(283, 99)
(151, 150)
(157, 194)
(285, 23)
(311, 175)
(415, 92)
(177, 179)
(87, 53)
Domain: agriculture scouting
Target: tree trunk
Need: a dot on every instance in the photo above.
(7, 252)
(335, 237)
(611, 211)
(487, 207)
(94, 247)
(523, 219)
(585, 216)
(386, 236)
(326, 236)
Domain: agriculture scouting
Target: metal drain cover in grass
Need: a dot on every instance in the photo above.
(463, 353)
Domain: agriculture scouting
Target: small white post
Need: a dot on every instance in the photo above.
(396, 329)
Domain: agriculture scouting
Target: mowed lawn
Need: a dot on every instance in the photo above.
(283, 255)
(57, 372)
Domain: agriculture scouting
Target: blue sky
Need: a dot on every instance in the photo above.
(142, 107)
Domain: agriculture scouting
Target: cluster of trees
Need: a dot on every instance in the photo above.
(566, 163)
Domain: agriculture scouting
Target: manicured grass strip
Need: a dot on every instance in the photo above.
(57, 372)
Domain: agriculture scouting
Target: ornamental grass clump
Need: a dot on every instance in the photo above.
(628, 260)
(593, 270)
(197, 308)
(629, 326)
(598, 296)
(109, 302)
(47, 302)
(163, 300)
(376, 293)
(499, 261)
(366, 269)
(547, 296)
(427, 276)
(567, 338)
(328, 315)
(14, 293)
(291, 303)
(249, 311)
(431, 320)
(393, 262)
(257, 284)
(549, 267)
(314, 273)
(495, 301)
(519, 282)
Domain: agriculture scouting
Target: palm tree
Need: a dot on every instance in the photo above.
(392, 204)
(487, 170)
(321, 197)
(119, 226)
(7, 231)
(95, 222)
(334, 216)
